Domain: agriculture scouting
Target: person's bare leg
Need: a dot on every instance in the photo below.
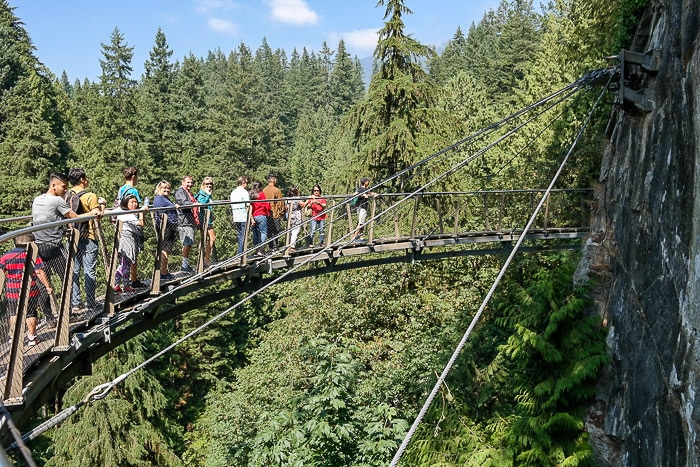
(31, 326)
(210, 245)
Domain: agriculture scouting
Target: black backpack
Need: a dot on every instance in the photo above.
(73, 200)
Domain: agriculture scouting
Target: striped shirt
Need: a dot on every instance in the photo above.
(13, 264)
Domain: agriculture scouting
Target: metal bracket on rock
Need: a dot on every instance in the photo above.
(647, 62)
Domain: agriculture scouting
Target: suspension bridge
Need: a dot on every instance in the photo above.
(417, 225)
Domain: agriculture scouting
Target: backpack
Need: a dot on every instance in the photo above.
(73, 200)
(354, 201)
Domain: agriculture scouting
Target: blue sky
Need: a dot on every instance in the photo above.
(67, 33)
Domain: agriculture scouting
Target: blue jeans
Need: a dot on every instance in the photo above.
(87, 260)
(320, 226)
(240, 230)
(259, 230)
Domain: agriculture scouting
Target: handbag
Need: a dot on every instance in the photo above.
(307, 211)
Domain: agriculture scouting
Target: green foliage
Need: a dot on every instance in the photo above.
(523, 403)
(126, 428)
(328, 384)
(31, 126)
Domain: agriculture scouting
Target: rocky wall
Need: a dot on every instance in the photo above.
(644, 255)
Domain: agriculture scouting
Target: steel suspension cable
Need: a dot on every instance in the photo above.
(487, 298)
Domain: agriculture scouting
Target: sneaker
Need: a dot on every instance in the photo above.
(187, 269)
(128, 289)
(167, 277)
(78, 309)
(32, 340)
(138, 285)
(118, 289)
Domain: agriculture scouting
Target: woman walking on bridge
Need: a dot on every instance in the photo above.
(130, 242)
(204, 196)
(318, 218)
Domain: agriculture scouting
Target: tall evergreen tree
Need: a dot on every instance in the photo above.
(31, 127)
(346, 85)
(158, 114)
(271, 121)
(117, 138)
(399, 108)
(125, 428)
(452, 61)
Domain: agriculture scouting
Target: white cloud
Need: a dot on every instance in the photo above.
(360, 40)
(292, 11)
(223, 26)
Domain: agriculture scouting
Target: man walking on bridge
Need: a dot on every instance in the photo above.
(86, 257)
(239, 199)
(46, 208)
(187, 218)
(277, 209)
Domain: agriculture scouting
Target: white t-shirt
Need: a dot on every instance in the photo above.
(240, 213)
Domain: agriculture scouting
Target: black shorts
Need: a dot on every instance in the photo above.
(169, 237)
(11, 307)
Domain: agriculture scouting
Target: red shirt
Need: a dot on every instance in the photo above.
(260, 209)
(318, 205)
(13, 264)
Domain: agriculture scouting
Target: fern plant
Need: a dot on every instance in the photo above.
(558, 353)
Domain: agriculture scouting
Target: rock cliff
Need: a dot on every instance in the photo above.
(644, 254)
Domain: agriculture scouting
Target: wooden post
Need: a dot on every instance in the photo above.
(244, 258)
(109, 293)
(62, 327)
(15, 366)
(160, 236)
(370, 236)
(397, 231)
(287, 237)
(457, 208)
(329, 238)
(501, 211)
(351, 225)
(415, 217)
(486, 213)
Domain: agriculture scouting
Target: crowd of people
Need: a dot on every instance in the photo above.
(261, 207)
